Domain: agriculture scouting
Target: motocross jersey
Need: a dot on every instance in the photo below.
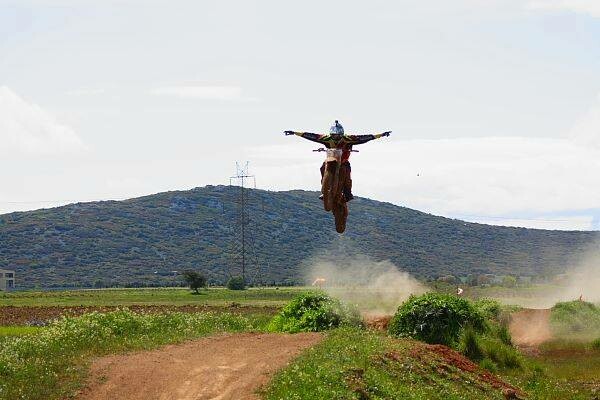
(344, 142)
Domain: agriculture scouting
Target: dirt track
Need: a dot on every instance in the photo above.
(220, 367)
(530, 328)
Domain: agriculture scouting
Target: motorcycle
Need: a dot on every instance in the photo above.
(331, 188)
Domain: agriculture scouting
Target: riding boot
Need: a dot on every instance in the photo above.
(322, 173)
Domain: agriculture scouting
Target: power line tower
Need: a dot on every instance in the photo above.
(246, 240)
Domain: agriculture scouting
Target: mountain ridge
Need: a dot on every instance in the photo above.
(141, 241)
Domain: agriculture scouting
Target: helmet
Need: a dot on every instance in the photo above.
(336, 129)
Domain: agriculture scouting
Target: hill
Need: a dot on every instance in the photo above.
(142, 241)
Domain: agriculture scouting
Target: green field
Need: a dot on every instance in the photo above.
(269, 296)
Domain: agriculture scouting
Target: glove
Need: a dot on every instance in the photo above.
(288, 133)
(386, 133)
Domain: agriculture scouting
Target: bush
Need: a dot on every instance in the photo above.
(236, 283)
(435, 318)
(575, 317)
(314, 312)
(489, 308)
(503, 334)
(504, 356)
(469, 344)
(596, 344)
(488, 364)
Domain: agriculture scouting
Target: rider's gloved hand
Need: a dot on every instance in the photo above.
(386, 133)
(288, 133)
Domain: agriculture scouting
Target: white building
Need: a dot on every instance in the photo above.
(7, 279)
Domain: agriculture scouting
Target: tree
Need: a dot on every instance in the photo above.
(236, 283)
(509, 281)
(194, 279)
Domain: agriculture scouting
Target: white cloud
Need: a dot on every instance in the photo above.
(27, 129)
(590, 7)
(586, 130)
(88, 91)
(206, 92)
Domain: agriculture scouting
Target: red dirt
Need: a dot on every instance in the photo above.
(530, 328)
(220, 367)
(27, 315)
(446, 357)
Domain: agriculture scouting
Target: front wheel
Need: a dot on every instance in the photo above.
(327, 188)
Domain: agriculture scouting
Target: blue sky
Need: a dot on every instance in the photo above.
(494, 104)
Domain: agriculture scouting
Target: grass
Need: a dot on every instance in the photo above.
(9, 331)
(571, 360)
(356, 364)
(49, 363)
(268, 296)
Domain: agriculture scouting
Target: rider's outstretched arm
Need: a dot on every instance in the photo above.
(314, 137)
(360, 139)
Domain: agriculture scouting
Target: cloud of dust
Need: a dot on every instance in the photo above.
(376, 288)
(580, 279)
(583, 278)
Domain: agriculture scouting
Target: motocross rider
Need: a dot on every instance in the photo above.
(338, 140)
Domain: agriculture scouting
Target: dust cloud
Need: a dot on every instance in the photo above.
(376, 288)
(583, 279)
(580, 279)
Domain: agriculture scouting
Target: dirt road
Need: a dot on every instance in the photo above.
(221, 367)
(530, 328)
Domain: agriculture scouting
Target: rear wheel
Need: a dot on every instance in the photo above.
(340, 212)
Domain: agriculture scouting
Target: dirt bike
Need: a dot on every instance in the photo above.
(331, 188)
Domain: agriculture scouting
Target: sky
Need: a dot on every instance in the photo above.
(494, 104)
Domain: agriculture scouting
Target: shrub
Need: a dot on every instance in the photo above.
(236, 283)
(596, 344)
(314, 312)
(504, 356)
(489, 308)
(469, 344)
(488, 364)
(577, 317)
(435, 318)
(503, 334)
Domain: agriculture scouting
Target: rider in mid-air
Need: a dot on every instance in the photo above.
(338, 140)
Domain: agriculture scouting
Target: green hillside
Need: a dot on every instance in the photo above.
(141, 241)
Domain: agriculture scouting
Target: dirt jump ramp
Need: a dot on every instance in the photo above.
(221, 367)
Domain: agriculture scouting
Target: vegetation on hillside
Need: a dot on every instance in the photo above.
(142, 241)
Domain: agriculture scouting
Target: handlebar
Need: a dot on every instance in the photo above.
(321, 149)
